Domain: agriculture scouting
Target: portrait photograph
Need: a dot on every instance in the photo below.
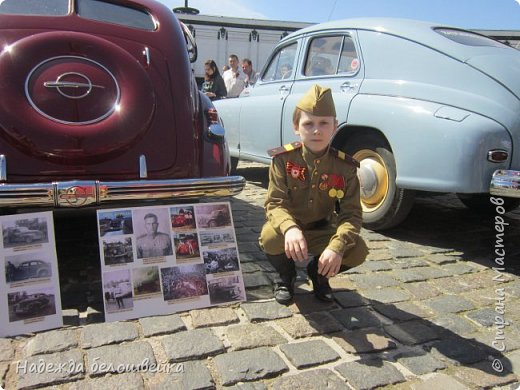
(33, 303)
(152, 231)
(25, 232)
(115, 223)
(184, 281)
(182, 218)
(220, 260)
(146, 281)
(27, 267)
(217, 237)
(213, 215)
(117, 250)
(117, 289)
(186, 245)
(225, 289)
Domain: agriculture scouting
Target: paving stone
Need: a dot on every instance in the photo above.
(489, 337)
(451, 285)
(449, 304)
(405, 252)
(459, 268)
(96, 335)
(194, 376)
(265, 311)
(248, 386)
(374, 245)
(311, 380)
(350, 299)
(482, 297)
(408, 275)
(156, 325)
(419, 363)
(484, 317)
(453, 323)
(514, 359)
(312, 324)
(308, 303)
(298, 353)
(412, 332)
(342, 282)
(379, 255)
(372, 281)
(357, 317)
(53, 341)
(411, 262)
(191, 344)
(367, 374)
(422, 290)
(433, 273)
(480, 280)
(403, 311)
(33, 372)
(256, 280)
(483, 375)
(259, 293)
(442, 259)
(439, 381)
(458, 350)
(70, 317)
(374, 266)
(127, 381)
(249, 336)
(6, 350)
(363, 341)
(248, 365)
(120, 358)
(213, 317)
(387, 295)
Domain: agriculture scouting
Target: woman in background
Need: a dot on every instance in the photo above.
(213, 85)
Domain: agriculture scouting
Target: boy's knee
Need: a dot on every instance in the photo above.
(355, 255)
(271, 242)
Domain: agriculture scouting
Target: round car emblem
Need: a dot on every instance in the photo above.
(65, 87)
(76, 196)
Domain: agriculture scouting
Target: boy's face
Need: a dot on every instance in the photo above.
(316, 131)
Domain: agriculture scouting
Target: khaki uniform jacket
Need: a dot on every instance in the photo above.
(305, 190)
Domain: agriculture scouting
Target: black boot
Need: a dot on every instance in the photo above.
(320, 283)
(284, 291)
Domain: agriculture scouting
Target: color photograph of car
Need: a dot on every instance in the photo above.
(99, 106)
(423, 107)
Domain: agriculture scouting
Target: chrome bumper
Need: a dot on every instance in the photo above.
(81, 193)
(505, 183)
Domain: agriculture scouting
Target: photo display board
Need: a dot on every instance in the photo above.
(164, 259)
(30, 282)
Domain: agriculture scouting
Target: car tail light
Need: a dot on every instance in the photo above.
(212, 116)
(497, 155)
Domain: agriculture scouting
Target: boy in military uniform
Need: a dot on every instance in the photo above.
(313, 203)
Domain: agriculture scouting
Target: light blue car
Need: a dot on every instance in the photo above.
(423, 107)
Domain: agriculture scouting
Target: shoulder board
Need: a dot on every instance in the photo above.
(344, 156)
(284, 149)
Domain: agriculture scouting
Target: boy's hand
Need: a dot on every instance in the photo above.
(295, 244)
(329, 263)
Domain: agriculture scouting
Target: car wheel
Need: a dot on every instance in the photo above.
(43, 273)
(28, 239)
(481, 203)
(384, 204)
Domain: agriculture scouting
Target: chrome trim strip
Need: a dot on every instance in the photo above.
(505, 183)
(3, 167)
(143, 170)
(81, 193)
(146, 54)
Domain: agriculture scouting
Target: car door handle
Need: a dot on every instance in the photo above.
(347, 86)
(284, 91)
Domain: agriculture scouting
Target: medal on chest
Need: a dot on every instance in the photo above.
(334, 183)
(296, 171)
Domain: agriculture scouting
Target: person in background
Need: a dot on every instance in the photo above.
(234, 77)
(213, 85)
(251, 75)
(224, 68)
(313, 202)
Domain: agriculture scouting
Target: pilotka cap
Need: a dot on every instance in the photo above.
(318, 101)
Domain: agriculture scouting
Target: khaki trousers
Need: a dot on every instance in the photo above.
(273, 243)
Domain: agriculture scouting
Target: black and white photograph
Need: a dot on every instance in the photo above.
(118, 250)
(29, 304)
(220, 260)
(117, 289)
(186, 246)
(25, 232)
(27, 267)
(182, 218)
(115, 223)
(217, 237)
(184, 281)
(226, 289)
(146, 281)
(213, 215)
(152, 230)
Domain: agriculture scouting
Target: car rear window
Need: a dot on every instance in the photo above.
(114, 13)
(330, 55)
(35, 7)
(468, 38)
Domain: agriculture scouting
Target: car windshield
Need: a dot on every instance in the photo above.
(468, 38)
(35, 7)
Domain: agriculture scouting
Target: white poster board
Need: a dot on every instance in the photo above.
(163, 259)
(29, 285)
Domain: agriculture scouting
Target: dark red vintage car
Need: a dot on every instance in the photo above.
(98, 105)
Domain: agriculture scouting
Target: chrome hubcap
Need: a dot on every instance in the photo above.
(373, 178)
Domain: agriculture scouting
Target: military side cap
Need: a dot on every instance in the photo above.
(317, 101)
(344, 156)
(284, 149)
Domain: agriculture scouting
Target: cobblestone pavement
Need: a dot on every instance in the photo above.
(426, 311)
